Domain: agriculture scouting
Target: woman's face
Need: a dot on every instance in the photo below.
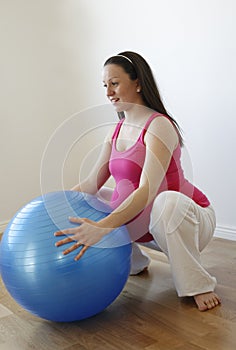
(120, 89)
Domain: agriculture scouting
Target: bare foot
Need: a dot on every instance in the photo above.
(207, 301)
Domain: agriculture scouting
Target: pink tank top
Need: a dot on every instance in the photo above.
(126, 168)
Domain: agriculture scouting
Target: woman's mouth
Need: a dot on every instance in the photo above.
(114, 100)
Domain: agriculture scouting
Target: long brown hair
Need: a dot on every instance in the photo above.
(137, 68)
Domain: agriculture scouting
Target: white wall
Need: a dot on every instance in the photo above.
(51, 60)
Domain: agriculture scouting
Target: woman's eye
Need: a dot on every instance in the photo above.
(112, 83)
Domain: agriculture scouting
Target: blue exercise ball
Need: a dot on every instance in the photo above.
(54, 286)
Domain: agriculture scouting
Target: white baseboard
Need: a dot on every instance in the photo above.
(225, 232)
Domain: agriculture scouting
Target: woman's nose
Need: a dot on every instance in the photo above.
(110, 91)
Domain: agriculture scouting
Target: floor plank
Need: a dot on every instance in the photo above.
(147, 315)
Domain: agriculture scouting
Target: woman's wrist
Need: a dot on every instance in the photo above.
(104, 225)
(107, 224)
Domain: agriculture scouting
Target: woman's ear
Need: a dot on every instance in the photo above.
(138, 89)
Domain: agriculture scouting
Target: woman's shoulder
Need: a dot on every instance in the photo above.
(162, 127)
(160, 122)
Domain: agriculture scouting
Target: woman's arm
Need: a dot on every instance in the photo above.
(161, 139)
(100, 171)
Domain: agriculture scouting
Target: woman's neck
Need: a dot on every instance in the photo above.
(137, 114)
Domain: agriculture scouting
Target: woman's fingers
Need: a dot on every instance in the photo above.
(76, 220)
(64, 241)
(72, 248)
(81, 253)
(69, 231)
(59, 233)
(72, 231)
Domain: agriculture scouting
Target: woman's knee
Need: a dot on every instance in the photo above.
(169, 209)
(165, 203)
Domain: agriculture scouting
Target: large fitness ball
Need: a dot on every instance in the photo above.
(49, 284)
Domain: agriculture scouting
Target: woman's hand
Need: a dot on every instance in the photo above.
(86, 234)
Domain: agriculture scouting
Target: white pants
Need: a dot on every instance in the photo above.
(181, 229)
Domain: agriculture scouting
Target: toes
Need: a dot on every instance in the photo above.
(200, 303)
(210, 304)
(207, 301)
(213, 301)
(202, 307)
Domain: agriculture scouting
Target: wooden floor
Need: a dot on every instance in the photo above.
(147, 314)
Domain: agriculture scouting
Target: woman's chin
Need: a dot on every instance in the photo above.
(122, 106)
